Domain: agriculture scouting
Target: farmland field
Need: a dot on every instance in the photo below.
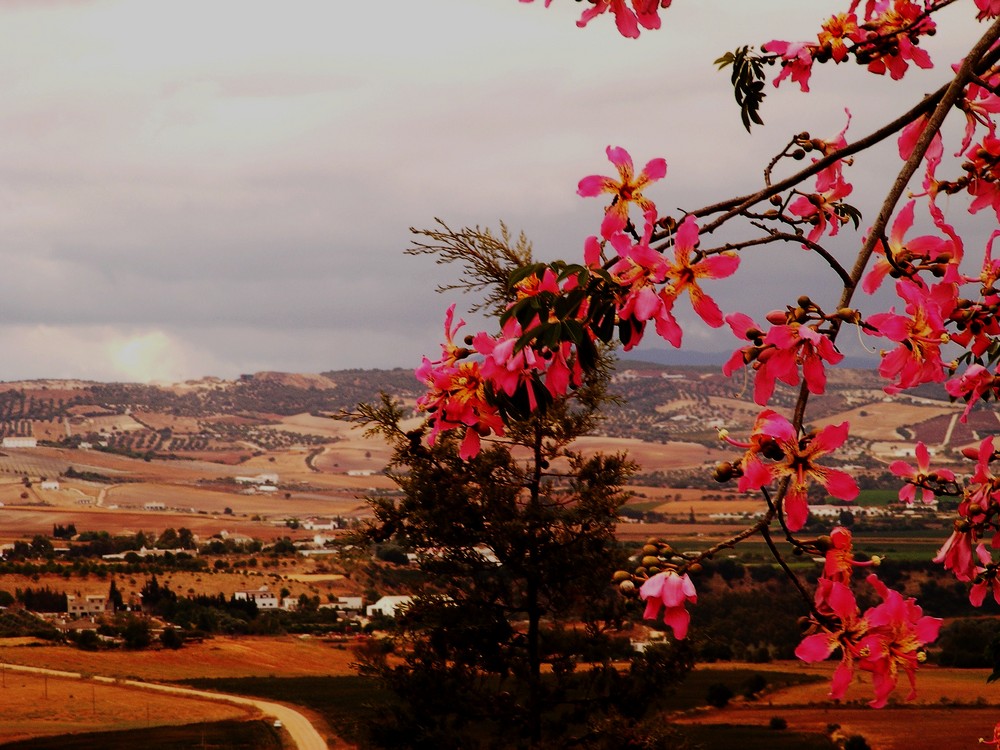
(34, 705)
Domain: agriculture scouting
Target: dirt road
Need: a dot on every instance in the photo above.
(303, 734)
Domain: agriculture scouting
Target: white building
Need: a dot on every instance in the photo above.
(20, 442)
(263, 597)
(92, 604)
(259, 479)
(387, 605)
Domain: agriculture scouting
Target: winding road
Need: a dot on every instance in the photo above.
(304, 735)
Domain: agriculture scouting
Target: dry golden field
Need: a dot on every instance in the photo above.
(878, 421)
(221, 656)
(301, 577)
(33, 705)
(953, 708)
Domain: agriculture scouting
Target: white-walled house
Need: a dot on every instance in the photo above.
(12, 441)
(263, 597)
(387, 605)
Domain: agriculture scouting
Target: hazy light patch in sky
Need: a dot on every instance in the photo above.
(146, 358)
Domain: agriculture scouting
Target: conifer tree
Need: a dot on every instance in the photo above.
(518, 550)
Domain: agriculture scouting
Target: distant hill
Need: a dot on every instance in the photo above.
(660, 403)
(687, 358)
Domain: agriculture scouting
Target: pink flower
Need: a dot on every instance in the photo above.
(898, 632)
(956, 553)
(685, 272)
(996, 729)
(639, 271)
(985, 580)
(983, 167)
(796, 61)
(821, 208)
(988, 9)
(643, 13)
(779, 355)
(920, 333)
(457, 396)
(971, 385)
(895, 28)
(979, 105)
(908, 140)
(671, 592)
(839, 560)
(797, 463)
(843, 629)
(919, 476)
(627, 189)
(901, 254)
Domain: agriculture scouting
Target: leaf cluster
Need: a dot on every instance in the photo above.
(748, 81)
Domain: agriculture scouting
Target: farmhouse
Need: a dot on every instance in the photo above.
(20, 442)
(347, 604)
(92, 604)
(259, 479)
(387, 605)
(263, 597)
(154, 506)
(49, 484)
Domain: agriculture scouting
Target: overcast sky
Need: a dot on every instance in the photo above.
(219, 187)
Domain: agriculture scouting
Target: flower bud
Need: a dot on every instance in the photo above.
(694, 568)
(650, 549)
(777, 317)
(621, 575)
(723, 471)
(626, 587)
(650, 560)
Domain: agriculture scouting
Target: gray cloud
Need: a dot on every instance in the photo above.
(224, 187)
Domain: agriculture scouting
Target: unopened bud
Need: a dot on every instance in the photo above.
(621, 575)
(626, 587)
(723, 471)
(777, 317)
(650, 560)
(694, 568)
(848, 315)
